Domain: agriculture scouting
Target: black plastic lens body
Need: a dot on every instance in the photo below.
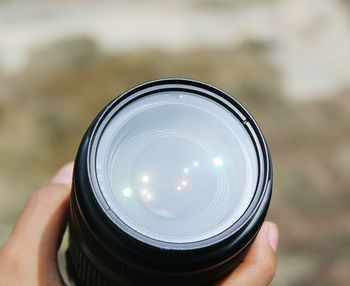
(172, 182)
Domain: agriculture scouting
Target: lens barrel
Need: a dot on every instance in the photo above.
(105, 249)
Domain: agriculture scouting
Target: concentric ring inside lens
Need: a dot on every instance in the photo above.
(177, 167)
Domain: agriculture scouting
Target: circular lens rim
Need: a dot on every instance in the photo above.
(202, 89)
(232, 137)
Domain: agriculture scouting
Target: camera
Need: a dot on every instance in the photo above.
(171, 184)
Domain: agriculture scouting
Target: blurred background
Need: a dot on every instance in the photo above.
(287, 61)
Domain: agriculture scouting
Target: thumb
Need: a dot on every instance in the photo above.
(259, 266)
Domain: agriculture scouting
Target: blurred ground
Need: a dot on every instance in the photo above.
(288, 62)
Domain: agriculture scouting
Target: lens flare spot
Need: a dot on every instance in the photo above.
(127, 192)
(186, 170)
(195, 163)
(184, 183)
(145, 179)
(217, 161)
(179, 188)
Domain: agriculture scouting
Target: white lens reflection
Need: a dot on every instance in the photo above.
(217, 161)
(145, 179)
(146, 195)
(127, 192)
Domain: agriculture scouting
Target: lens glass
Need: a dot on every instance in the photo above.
(176, 167)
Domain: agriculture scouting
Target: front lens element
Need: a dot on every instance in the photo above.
(176, 166)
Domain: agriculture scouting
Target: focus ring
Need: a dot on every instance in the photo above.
(82, 271)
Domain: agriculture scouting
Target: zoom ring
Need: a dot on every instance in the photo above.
(80, 269)
(83, 271)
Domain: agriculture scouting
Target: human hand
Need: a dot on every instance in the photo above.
(29, 257)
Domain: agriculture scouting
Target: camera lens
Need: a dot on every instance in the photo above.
(176, 167)
(172, 182)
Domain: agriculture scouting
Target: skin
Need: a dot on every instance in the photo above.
(29, 257)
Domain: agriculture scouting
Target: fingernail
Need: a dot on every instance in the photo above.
(64, 175)
(273, 236)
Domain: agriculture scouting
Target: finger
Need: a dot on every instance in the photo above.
(39, 230)
(259, 266)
